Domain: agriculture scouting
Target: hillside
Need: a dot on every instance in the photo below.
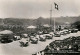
(40, 20)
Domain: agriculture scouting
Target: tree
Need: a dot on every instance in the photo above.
(39, 22)
(76, 25)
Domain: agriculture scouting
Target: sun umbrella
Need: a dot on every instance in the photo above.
(46, 25)
(31, 27)
(6, 32)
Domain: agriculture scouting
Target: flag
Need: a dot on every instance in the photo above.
(56, 6)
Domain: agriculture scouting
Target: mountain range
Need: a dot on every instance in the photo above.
(38, 21)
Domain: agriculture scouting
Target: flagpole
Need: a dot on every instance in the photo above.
(51, 18)
(51, 15)
(54, 25)
(56, 7)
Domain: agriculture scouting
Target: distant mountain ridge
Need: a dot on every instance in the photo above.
(40, 20)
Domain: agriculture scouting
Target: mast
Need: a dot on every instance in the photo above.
(54, 25)
(51, 17)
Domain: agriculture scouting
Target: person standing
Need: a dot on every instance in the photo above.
(75, 46)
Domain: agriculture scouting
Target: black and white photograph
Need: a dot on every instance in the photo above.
(39, 27)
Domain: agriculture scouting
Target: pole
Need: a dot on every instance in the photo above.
(54, 25)
(51, 14)
(50, 17)
(2, 21)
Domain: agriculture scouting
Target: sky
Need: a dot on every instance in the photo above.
(38, 8)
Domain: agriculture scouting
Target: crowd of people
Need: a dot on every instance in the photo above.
(71, 44)
(68, 45)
